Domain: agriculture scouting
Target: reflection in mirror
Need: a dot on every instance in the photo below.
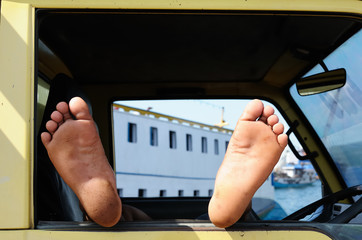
(322, 82)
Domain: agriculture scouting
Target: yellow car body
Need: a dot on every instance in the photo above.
(18, 97)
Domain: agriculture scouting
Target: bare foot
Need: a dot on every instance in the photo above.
(76, 151)
(254, 149)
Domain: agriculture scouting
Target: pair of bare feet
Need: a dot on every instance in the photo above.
(76, 151)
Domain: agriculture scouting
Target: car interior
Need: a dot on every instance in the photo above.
(107, 55)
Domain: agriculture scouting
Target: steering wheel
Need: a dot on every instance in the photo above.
(328, 202)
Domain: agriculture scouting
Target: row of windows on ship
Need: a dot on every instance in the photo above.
(132, 138)
(163, 193)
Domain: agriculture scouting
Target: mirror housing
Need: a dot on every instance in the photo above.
(322, 82)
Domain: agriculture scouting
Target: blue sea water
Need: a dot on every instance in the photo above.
(290, 200)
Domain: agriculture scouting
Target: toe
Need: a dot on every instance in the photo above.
(278, 128)
(51, 126)
(79, 109)
(272, 120)
(252, 111)
(45, 138)
(57, 117)
(63, 108)
(267, 112)
(283, 140)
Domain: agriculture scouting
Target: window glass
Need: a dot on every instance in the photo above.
(153, 136)
(43, 92)
(210, 192)
(336, 115)
(163, 193)
(145, 171)
(216, 147)
(203, 144)
(172, 139)
(132, 132)
(180, 193)
(142, 193)
(188, 142)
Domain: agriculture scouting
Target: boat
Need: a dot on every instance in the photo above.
(295, 175)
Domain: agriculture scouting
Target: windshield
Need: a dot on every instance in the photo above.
(337, 115)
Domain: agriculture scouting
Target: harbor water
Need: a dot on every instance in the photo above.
(290, 200)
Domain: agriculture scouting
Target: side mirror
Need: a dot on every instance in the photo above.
(322, 82)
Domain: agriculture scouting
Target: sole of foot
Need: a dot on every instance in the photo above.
(254, 149)
(76, 151)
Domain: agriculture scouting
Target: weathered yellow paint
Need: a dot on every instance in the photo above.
(295, 5)
(17, 113)
(16, 91)
(159, 235)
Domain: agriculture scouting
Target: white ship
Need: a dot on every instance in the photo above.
(298, 175)
(163, 156)
(292, 172)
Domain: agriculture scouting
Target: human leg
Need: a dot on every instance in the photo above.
(253, 151)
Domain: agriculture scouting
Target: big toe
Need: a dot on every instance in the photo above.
(79, 109)
(252, 111)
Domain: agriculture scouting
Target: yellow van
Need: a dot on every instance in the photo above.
(302, 56)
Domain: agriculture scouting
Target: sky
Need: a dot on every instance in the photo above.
(203, 111)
